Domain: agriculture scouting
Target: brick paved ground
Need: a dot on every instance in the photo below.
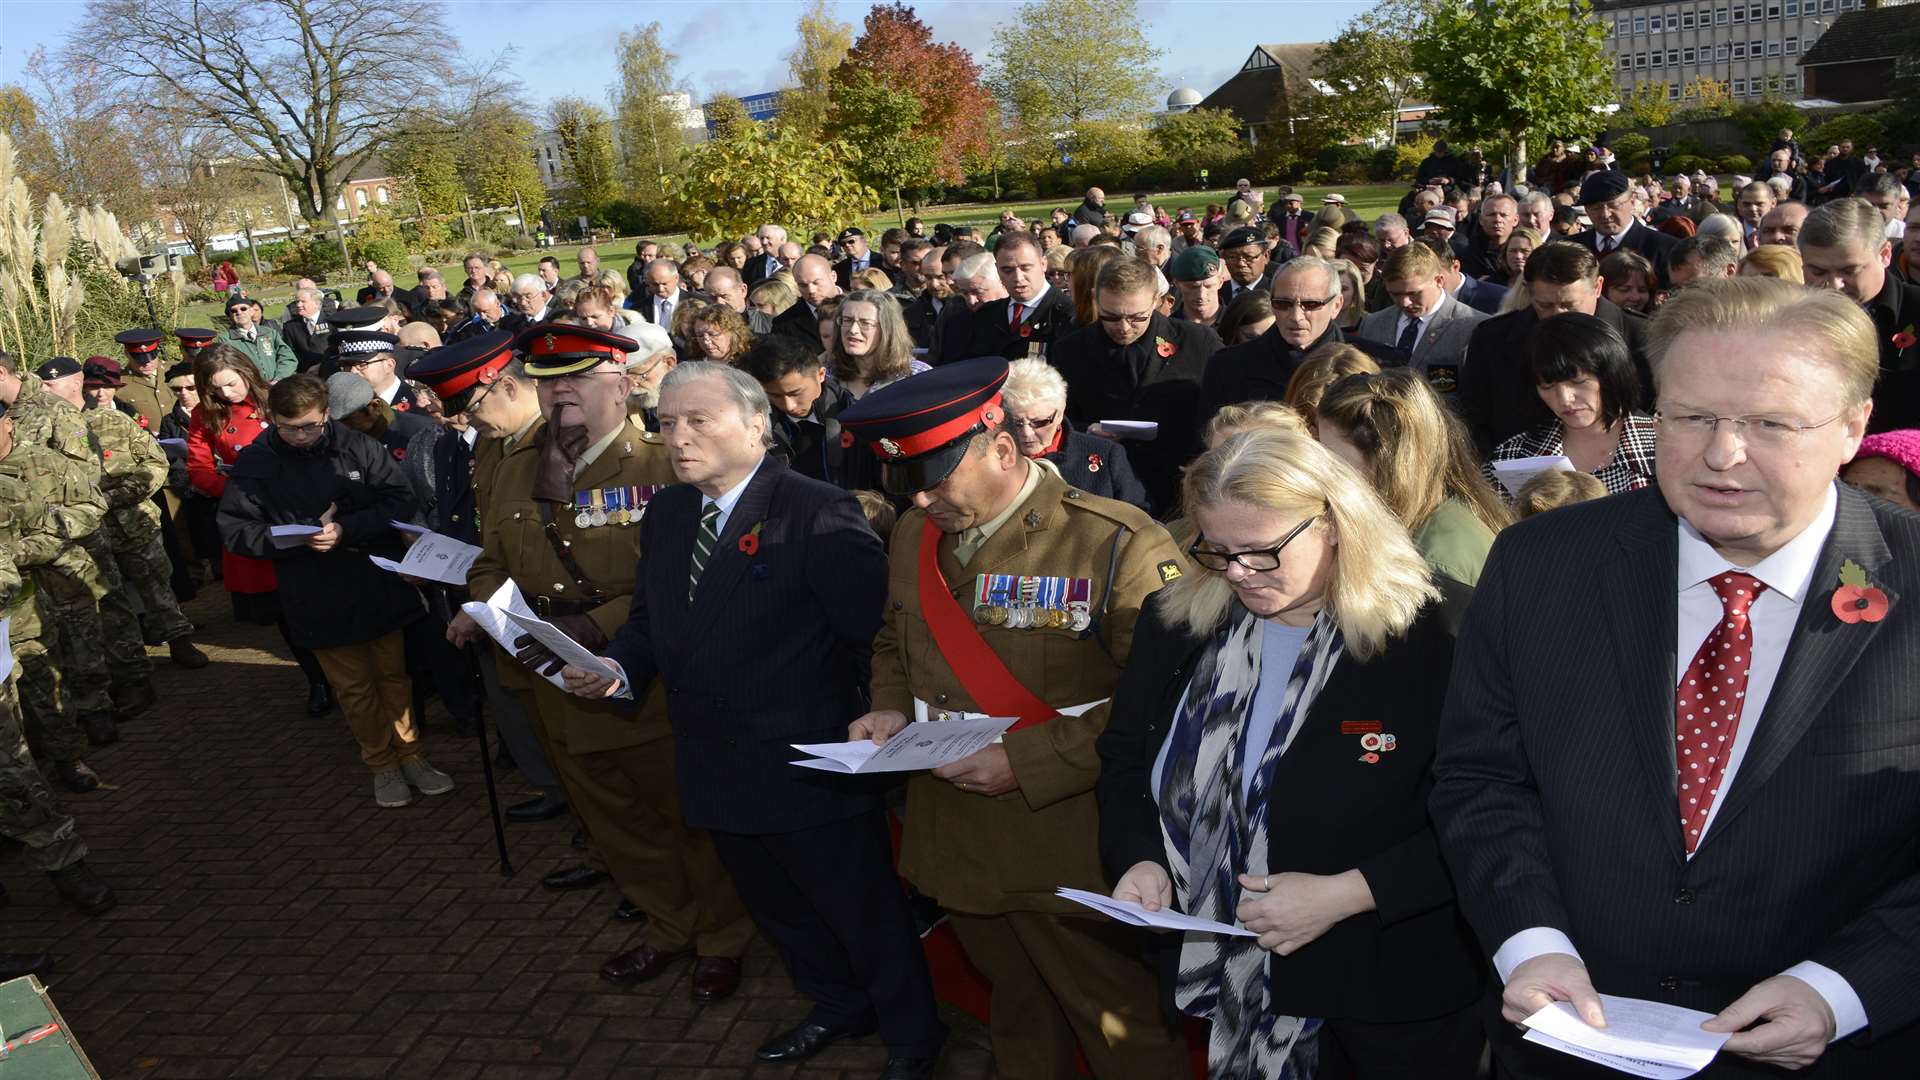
(274, 922)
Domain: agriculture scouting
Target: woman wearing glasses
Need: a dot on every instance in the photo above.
(1584, 373)
(1035, 396)
(718, 333)
(1267, 765)
(872, 347)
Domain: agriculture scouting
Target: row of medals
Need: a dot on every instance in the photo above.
(1022, 618)
(598, 515)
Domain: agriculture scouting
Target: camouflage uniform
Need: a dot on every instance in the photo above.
(134, 467)
(47, 500)
(28, 812)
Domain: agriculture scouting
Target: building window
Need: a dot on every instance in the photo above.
(360, 198)
(1626, 62)
(1686, 56)
(1789, 82)
(1826, 6)
(1793, 8)
(178, 229)
(1640, 60)
(340, 203)
(1773, 12)
(1793, 45)
(1686, 20)
(1739, 14)
(1739, 50)
(1720, 15)
(1673, 91)
(1773, 48)
(1653, 25)
(1720, 51)
(1640, 24)
(1739, 88)
(380, 194)
(1753, 12)
(1673, 57)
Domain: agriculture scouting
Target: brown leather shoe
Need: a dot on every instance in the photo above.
(185, 653)
(80, 886)
(639, 965)
(715, 978)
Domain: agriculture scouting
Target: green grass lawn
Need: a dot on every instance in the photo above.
(1366, 200)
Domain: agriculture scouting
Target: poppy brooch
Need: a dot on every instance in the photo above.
(1855, 600)
(1904, 339)
(1093, 462)
(1163, 347)
(750, 542)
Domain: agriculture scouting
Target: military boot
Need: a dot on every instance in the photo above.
(80, 886)
(76, 776)
(133, 701)
(186, 654)
(100, 728)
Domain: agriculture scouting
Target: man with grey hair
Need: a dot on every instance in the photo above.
(725, 285)
(1536, 212)
(748, 558)
(530, 297)
(1390, 229)
(487, 314)
(1153, 244)
(663, 295)
(1083, 235)
(771, 259)
(305, 334)
(1889, 196)
(1702, 258)
(1844, 247)
(1306, 311)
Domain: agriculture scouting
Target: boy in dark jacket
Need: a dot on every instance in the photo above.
(315, 472)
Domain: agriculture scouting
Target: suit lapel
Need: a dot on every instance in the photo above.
(1822, 651)
(1640, 603)
(728, 563)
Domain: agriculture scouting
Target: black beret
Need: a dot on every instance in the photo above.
(58, 368)
(1603, 186)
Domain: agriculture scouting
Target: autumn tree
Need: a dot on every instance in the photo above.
(74, 136)
(824, 41)
(1370, 64)
(882, 127)
(1199, 138)
(586, 145)
(1647, 105)
(1062, 64)
(728, 118)
(1532, 67)
(897, 50)
(648, 121)
(309, 88)
(751, 174)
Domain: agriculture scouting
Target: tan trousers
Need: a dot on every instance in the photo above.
(628, 800)
(370, 681)
(1061, 981)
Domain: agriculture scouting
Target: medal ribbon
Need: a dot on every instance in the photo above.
(982, 674)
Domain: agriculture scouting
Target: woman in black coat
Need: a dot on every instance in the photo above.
(1267, 764)
(1035, 396)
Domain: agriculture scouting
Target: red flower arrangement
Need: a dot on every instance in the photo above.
(750, 542)
(1855, 600)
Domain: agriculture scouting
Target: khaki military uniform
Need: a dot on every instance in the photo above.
(1059, 976)
(133, 468)
(149, 395)
(28, 812)
(616, 766)
(47, 502)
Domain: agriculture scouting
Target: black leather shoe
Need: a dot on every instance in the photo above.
(579, 841)
(76, 776)
(803, 1042)
(908, 1068)
(80, 886)
(629, 912)
(539, 809)
(133, 701)
(573, 877)
(16, 965)
(319, 699)
(715, 978)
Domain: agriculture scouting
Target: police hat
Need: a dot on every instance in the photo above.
(355, 318)
(920, 427)
(194, 338)
(1242, 236)
(1196, 262)
(58, 368)
(352, 346)
(140, 344)
(102, 371)
(555, 349)
(1603, 186)
(454, 372)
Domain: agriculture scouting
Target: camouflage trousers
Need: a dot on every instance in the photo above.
(148, 574)
(28, 812)
(45, 698)
(100, 645)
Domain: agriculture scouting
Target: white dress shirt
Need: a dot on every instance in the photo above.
(1788, 574)
(1026, 310)
(663, 307)
(728, 499)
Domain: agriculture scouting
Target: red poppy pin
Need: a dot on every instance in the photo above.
(143, 421)
(1855, 600)
(1163, 347)
(846, 440)
(1904, 339)
(402, 406)
(399, 453)
(105, 454)
(750, 542)
(1026, 330)
(1093, 462)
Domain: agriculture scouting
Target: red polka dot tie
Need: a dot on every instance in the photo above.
(1706, 707)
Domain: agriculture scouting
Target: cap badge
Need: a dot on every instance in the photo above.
(551, 341)
(890, 448)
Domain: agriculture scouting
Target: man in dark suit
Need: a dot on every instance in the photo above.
(1497, 396)
(853, 241)
(306, 334)
(748, 559)
(813, 279)
(936, 289)
(1677, 756)
(1031, 316)
(1845, 247)
(1608, 199)
(768, 262)
(1306, 302)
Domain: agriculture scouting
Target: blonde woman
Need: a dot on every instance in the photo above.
(773, 296)
(1266, 764)
(1320, 242)
(1320, 369)
(1394, 429)
(615, 283)
(1775, 261)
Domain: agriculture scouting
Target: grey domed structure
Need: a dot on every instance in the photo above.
(1183, 99)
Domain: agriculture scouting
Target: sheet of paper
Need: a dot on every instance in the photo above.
(558, 643)
(1131, 429)
(292, 536)
(409, 527)
(925, 744)
(178, 444)
(1648, 1038)
(492, 617)
(1133, 914)
(434, 557)
(1517, 471)
(6, 648)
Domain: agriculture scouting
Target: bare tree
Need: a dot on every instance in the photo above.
(76, 137)
(308, 88)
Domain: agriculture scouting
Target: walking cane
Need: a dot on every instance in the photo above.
(444, 609)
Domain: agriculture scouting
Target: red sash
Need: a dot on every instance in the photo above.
(980, 670)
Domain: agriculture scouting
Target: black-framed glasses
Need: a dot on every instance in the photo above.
(1288, 303)
(1255, 559)
(298, 429)
(1136, 319)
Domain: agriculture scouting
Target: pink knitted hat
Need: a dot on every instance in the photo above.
(1900, 446)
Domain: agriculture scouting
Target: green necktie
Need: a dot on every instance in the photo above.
(703, 546)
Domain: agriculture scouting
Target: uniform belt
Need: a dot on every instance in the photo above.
(545, 606)
(924, 711)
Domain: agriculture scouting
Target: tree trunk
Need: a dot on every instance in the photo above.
(899, 206)
(246, 229)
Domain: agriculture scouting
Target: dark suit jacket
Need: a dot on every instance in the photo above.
(1480, 295)
(1098, 466)
(1554, 795)
(1259, 370)
(1329, 812)
(755, 271)
(798, 323)
(1896, 397)
(1652, 243)
(802, 610)
(843, 270)
(992, 332)
(919, 314)
(643, 301)
(1498, 399)
(1107, 382)
(309, 349)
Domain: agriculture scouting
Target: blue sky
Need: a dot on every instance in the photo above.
(737, 47)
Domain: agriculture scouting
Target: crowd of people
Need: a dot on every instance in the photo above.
(1223, 509)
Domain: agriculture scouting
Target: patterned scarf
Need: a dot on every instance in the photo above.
(1212, 832)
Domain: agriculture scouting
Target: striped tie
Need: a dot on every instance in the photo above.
(703, 546)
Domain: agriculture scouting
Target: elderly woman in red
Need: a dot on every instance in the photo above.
(232, 413)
